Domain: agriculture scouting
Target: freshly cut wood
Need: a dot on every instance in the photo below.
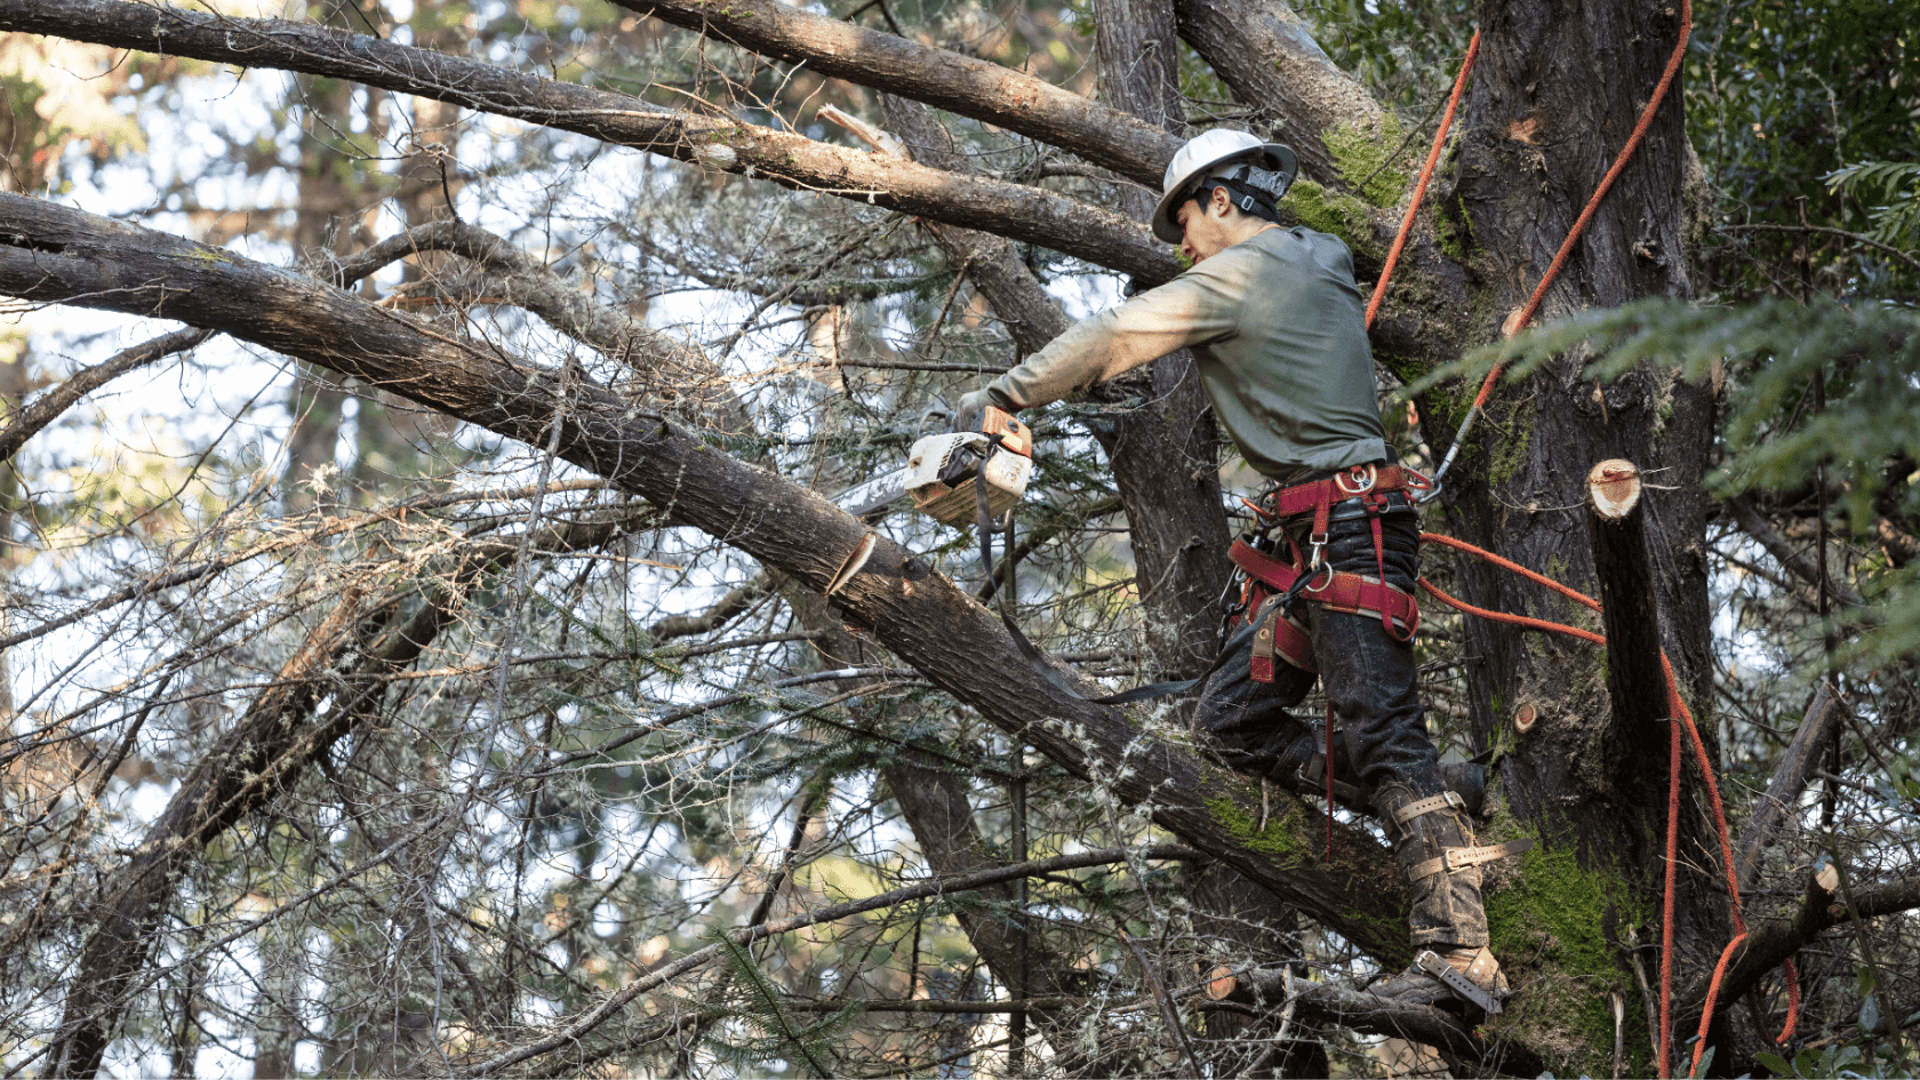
(1263, 985)
(1827, 877)
(1635, 681)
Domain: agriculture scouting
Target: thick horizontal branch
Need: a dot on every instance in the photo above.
(1266, 55)
(54, 254)
(941, 78)
(1336, 1004)
(1021, 213)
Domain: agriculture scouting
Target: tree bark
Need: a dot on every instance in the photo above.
(1165, 454)
(1266, 55)
(1129, 143)
(1554, 97)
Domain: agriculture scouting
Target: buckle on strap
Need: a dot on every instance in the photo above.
(1463, 988)
(1464, 858)
(1428, 805)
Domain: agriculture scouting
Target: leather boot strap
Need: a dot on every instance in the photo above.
(1430, 804)
(1462, 858)
(1484, 969)
(1462, 986)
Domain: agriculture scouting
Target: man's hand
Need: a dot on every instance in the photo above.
(972, 410)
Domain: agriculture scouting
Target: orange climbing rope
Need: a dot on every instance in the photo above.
(1682, 717)
(1426, 174)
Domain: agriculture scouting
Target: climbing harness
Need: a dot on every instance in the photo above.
(1360, 490)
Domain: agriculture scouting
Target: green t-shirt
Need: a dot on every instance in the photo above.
(1277, 328)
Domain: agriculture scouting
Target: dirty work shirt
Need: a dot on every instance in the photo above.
(1278, 329)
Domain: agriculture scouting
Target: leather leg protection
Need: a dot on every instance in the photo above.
(1447, 911)
(1433, 844)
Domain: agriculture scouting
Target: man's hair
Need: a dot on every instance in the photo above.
(1238, 197)
(1250, 190)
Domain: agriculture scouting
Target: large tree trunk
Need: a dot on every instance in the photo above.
(1165, 453)
(1552, 101)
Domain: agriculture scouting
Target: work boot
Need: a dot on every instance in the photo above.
(1464, 981)
(1433, 845)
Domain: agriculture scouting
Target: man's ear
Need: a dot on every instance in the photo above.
(1221, 204)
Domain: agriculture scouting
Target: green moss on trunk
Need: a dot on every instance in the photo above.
(1345, 216)
(1549, 917)
(1360, 153)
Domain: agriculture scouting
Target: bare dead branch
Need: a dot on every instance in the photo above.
(49, 406)
(1754, 525)
(1797, 766)
(1015, 210)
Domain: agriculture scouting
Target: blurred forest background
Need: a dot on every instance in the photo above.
(344, 737)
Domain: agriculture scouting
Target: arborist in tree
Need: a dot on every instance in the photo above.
(1276, 325)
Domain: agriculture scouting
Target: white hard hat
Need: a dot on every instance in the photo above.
(1269, 169)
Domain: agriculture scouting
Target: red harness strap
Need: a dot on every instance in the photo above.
(1276, 631)
(1368, 483)
(1353, 593)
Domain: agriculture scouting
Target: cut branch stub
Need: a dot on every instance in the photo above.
(1636, 683)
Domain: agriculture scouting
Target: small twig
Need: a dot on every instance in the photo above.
(1826, 231)
(1167, 1011)
(884, 13)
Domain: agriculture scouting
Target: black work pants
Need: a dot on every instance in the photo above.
(1369, 676)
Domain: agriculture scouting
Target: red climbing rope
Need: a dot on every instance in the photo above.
(1573, 594)
(1420, 188)
(1681, 717)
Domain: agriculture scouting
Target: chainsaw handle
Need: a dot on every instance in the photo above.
(1011, 434)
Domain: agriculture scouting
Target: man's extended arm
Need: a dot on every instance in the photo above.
(1199, 306)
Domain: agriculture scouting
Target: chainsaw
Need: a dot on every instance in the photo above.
(944, 473)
